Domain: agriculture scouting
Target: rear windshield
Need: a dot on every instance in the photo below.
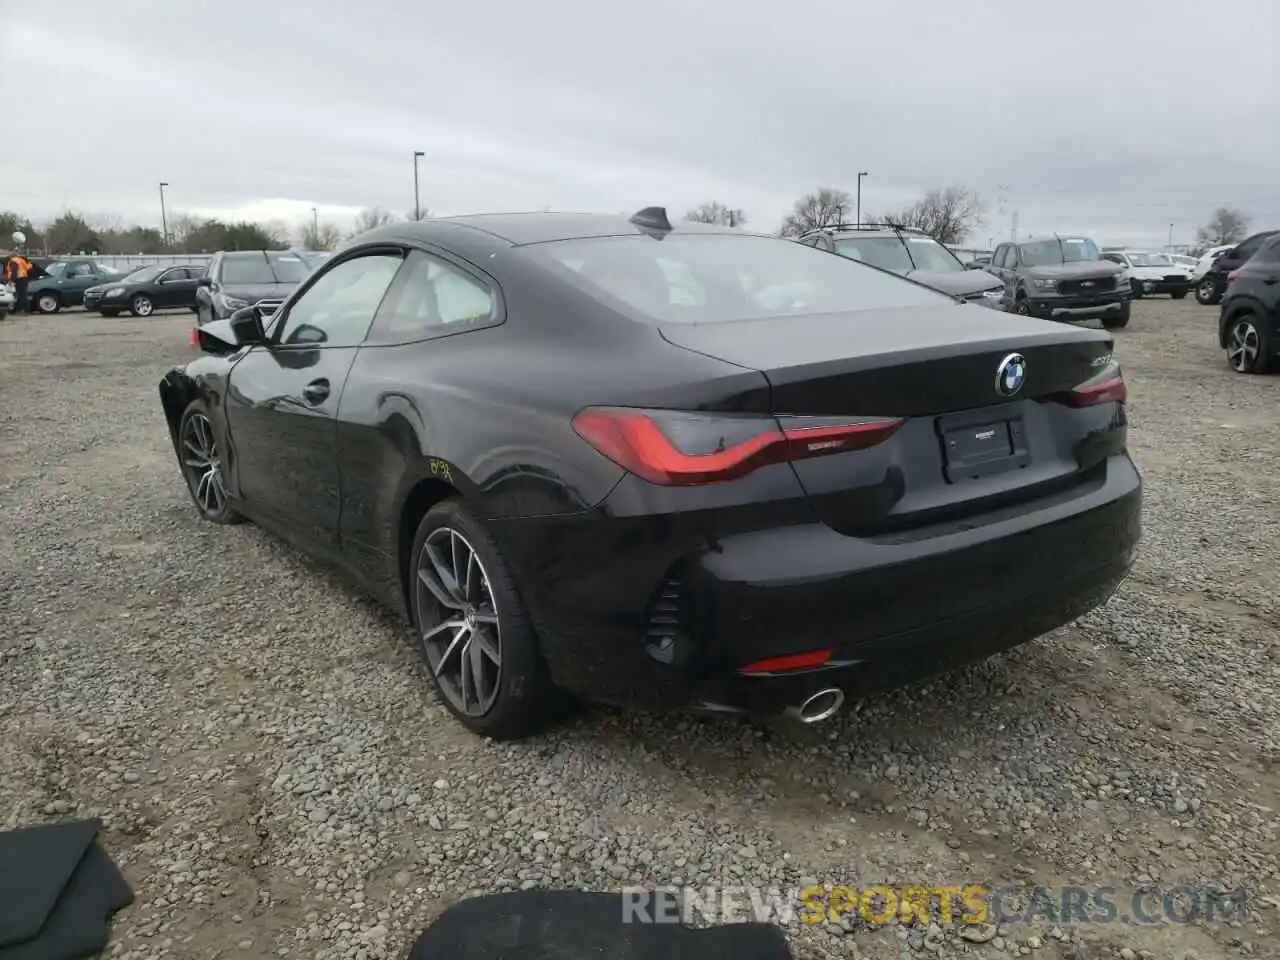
(259, 267)
(887, 253)
(713, 278)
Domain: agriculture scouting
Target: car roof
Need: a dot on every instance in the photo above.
(515, 229)
(1052, 237)
(875, 231)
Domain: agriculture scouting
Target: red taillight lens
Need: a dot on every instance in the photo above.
(795, 661)
(195, 337)
(685, 449)
(1111, 390)
(1232, 275)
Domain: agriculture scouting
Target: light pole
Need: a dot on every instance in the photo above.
(164, 218)
(417, 205)
(1170, 236)
(315, 226)
(859, 215)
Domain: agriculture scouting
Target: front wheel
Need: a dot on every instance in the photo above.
(141, 306)
(1249, 345)
(1022, 307)
(473, 628)
(48, 303)
(201, 457)
(1207, 293)
(1135, 288)
(1116, 321)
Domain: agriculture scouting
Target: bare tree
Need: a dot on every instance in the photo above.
(1227, 225)
(371, 218)
(717, 213)
(948, 214)
(822, 209)
(318, 236)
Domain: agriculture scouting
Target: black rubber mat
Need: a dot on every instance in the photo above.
(569, 925)
(58, 890)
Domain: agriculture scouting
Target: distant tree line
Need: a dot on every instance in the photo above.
(948, 214)
(72, 232)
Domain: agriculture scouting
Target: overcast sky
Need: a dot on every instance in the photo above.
(1114, 118)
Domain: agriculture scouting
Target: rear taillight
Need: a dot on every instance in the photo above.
(1232, 275)
(195, 337)
(809, 660)
(677, 449)
(1112, 389)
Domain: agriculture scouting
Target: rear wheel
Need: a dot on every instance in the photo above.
(1207, 293)
(1116, 321)
(473, 628)
(1135, 287)
(201, 459)
(141, 306)
(1249, 345)
(48, 303)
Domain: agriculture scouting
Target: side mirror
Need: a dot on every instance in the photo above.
(246, 324)
(205, 282)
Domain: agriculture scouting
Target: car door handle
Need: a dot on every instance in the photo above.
(316, 392)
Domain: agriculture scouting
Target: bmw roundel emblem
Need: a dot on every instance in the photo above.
(1011, 374)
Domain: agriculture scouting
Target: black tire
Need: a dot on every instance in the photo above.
(142, 305)
(1117, 321)
(220, 512)
(1207, 293)
(1021, 306)
(110, 313)
(1246, 331)
(46, 302)
(1135, 287)
(1178, 294)
(524, 701)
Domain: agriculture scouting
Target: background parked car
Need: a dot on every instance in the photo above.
(1205, 262)
(1249, 322)
(1151, 272)
(1182, 260)
(1063, 278)
(145, 290)
(247, 278)
(911, 254)
(1213, 284)
(66, 282)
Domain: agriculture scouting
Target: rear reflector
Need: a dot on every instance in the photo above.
(195, 337)
(673, 449)
(794, 661)
(1112, 390)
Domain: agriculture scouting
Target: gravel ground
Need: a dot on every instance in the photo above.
(277, 781)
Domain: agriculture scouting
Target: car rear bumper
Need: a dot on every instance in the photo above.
(891, 609)
(1165, 286)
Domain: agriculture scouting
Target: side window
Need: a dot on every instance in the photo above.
(81, 269)
(173, 273)
(1011, 255)
(435, 298)
(997, 258)
(1270, 252)
(1249, 248)
(337, 309)
(1114, 258)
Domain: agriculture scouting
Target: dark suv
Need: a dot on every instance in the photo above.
(911, 254)
(1249, 322)
(1213, 284)
(1062, 278)
(246, 278)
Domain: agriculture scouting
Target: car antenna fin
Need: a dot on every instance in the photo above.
(652, 218)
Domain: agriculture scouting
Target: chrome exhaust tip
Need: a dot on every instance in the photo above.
(823, 705)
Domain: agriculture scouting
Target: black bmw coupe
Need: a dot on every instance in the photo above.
(665, 466)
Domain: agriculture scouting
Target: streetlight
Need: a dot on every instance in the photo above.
(315, 225)
(164, 219)
(1171, 236)
(860, 176)
(417, 205)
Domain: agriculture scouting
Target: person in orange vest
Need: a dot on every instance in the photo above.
(17, 270)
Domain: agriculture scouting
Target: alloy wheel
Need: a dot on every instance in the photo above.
(47, 303)
(1206, 290)
(142, 306)
(201, 464)
(1243, 345)
(464, 648)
